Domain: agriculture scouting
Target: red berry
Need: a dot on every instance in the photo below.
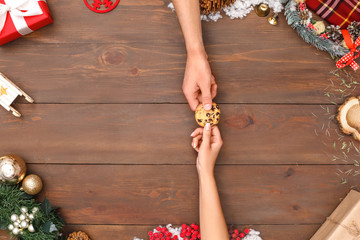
(183, 226)
(182, 235)
(158, 229)
(238, 238)
(175, 237)
(242, 235)
(234, 235)
(196, 227)
(236, 231)
(168, 238)
(246, 230)
(156, 235)
(152, 238)
(163, 229)
(199, 236)
(150, 233)
(188, 234)
(161, 235)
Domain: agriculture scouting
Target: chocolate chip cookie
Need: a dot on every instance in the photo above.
(212, 116)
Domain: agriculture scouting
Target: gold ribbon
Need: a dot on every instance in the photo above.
(353, 230)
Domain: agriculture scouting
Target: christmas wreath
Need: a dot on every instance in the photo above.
(27, 219)
(327, 38)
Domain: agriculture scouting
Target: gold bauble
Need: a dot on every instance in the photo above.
(273, 19)
(262, 10)
(12, 168)
(32, 184)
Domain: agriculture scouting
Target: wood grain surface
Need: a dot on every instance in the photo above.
(160, 134)
(110, 131)
(161, 194)
(139, 57)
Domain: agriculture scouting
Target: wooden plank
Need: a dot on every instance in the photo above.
(123, 232)
(160, 134)
(150, 194)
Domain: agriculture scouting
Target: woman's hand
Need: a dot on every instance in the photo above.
(207, 142)
(199, 84)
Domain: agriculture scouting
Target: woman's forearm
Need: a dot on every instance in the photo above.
(188, 12)
(212, 220)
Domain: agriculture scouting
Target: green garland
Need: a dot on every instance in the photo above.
(12, 199)
(293, 18)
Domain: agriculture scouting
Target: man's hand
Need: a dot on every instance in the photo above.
(199, 84)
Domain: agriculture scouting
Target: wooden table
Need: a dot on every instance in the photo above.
(109, 133)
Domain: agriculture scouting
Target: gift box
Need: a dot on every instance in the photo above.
(344, 222)
(21, 17)
(337, 12)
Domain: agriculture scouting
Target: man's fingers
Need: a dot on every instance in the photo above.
(206, 98)
(214, 88)
(192, 100)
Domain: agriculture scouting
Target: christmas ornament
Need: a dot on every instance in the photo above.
(9, 92)
(262, 10)
(12, 168)
(349, 117)
(273, 19)
(78, 236)
(101, 6)
(354, 30)
(334, 33)
(212, 6)
(32, 184)
(22, 222)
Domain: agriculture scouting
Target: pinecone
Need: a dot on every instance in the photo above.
(354, 30)
(334, 33)
(78, 236)
(211, 6)
(304, 16)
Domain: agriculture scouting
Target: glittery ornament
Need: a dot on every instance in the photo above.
(12, 168)
(32, 184)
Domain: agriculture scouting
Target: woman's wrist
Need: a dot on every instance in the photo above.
(196, 52)
(205, 173)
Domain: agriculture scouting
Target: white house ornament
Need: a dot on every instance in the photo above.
(9, 92)
(12, 168)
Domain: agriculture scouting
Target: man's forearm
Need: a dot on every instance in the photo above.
(188, 12)
(212, 221)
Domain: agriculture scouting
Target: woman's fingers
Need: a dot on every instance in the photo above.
(195, 141)
(197, 132)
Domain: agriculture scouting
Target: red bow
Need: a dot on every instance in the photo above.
(349, 58)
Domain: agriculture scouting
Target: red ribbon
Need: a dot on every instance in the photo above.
(349, 58)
